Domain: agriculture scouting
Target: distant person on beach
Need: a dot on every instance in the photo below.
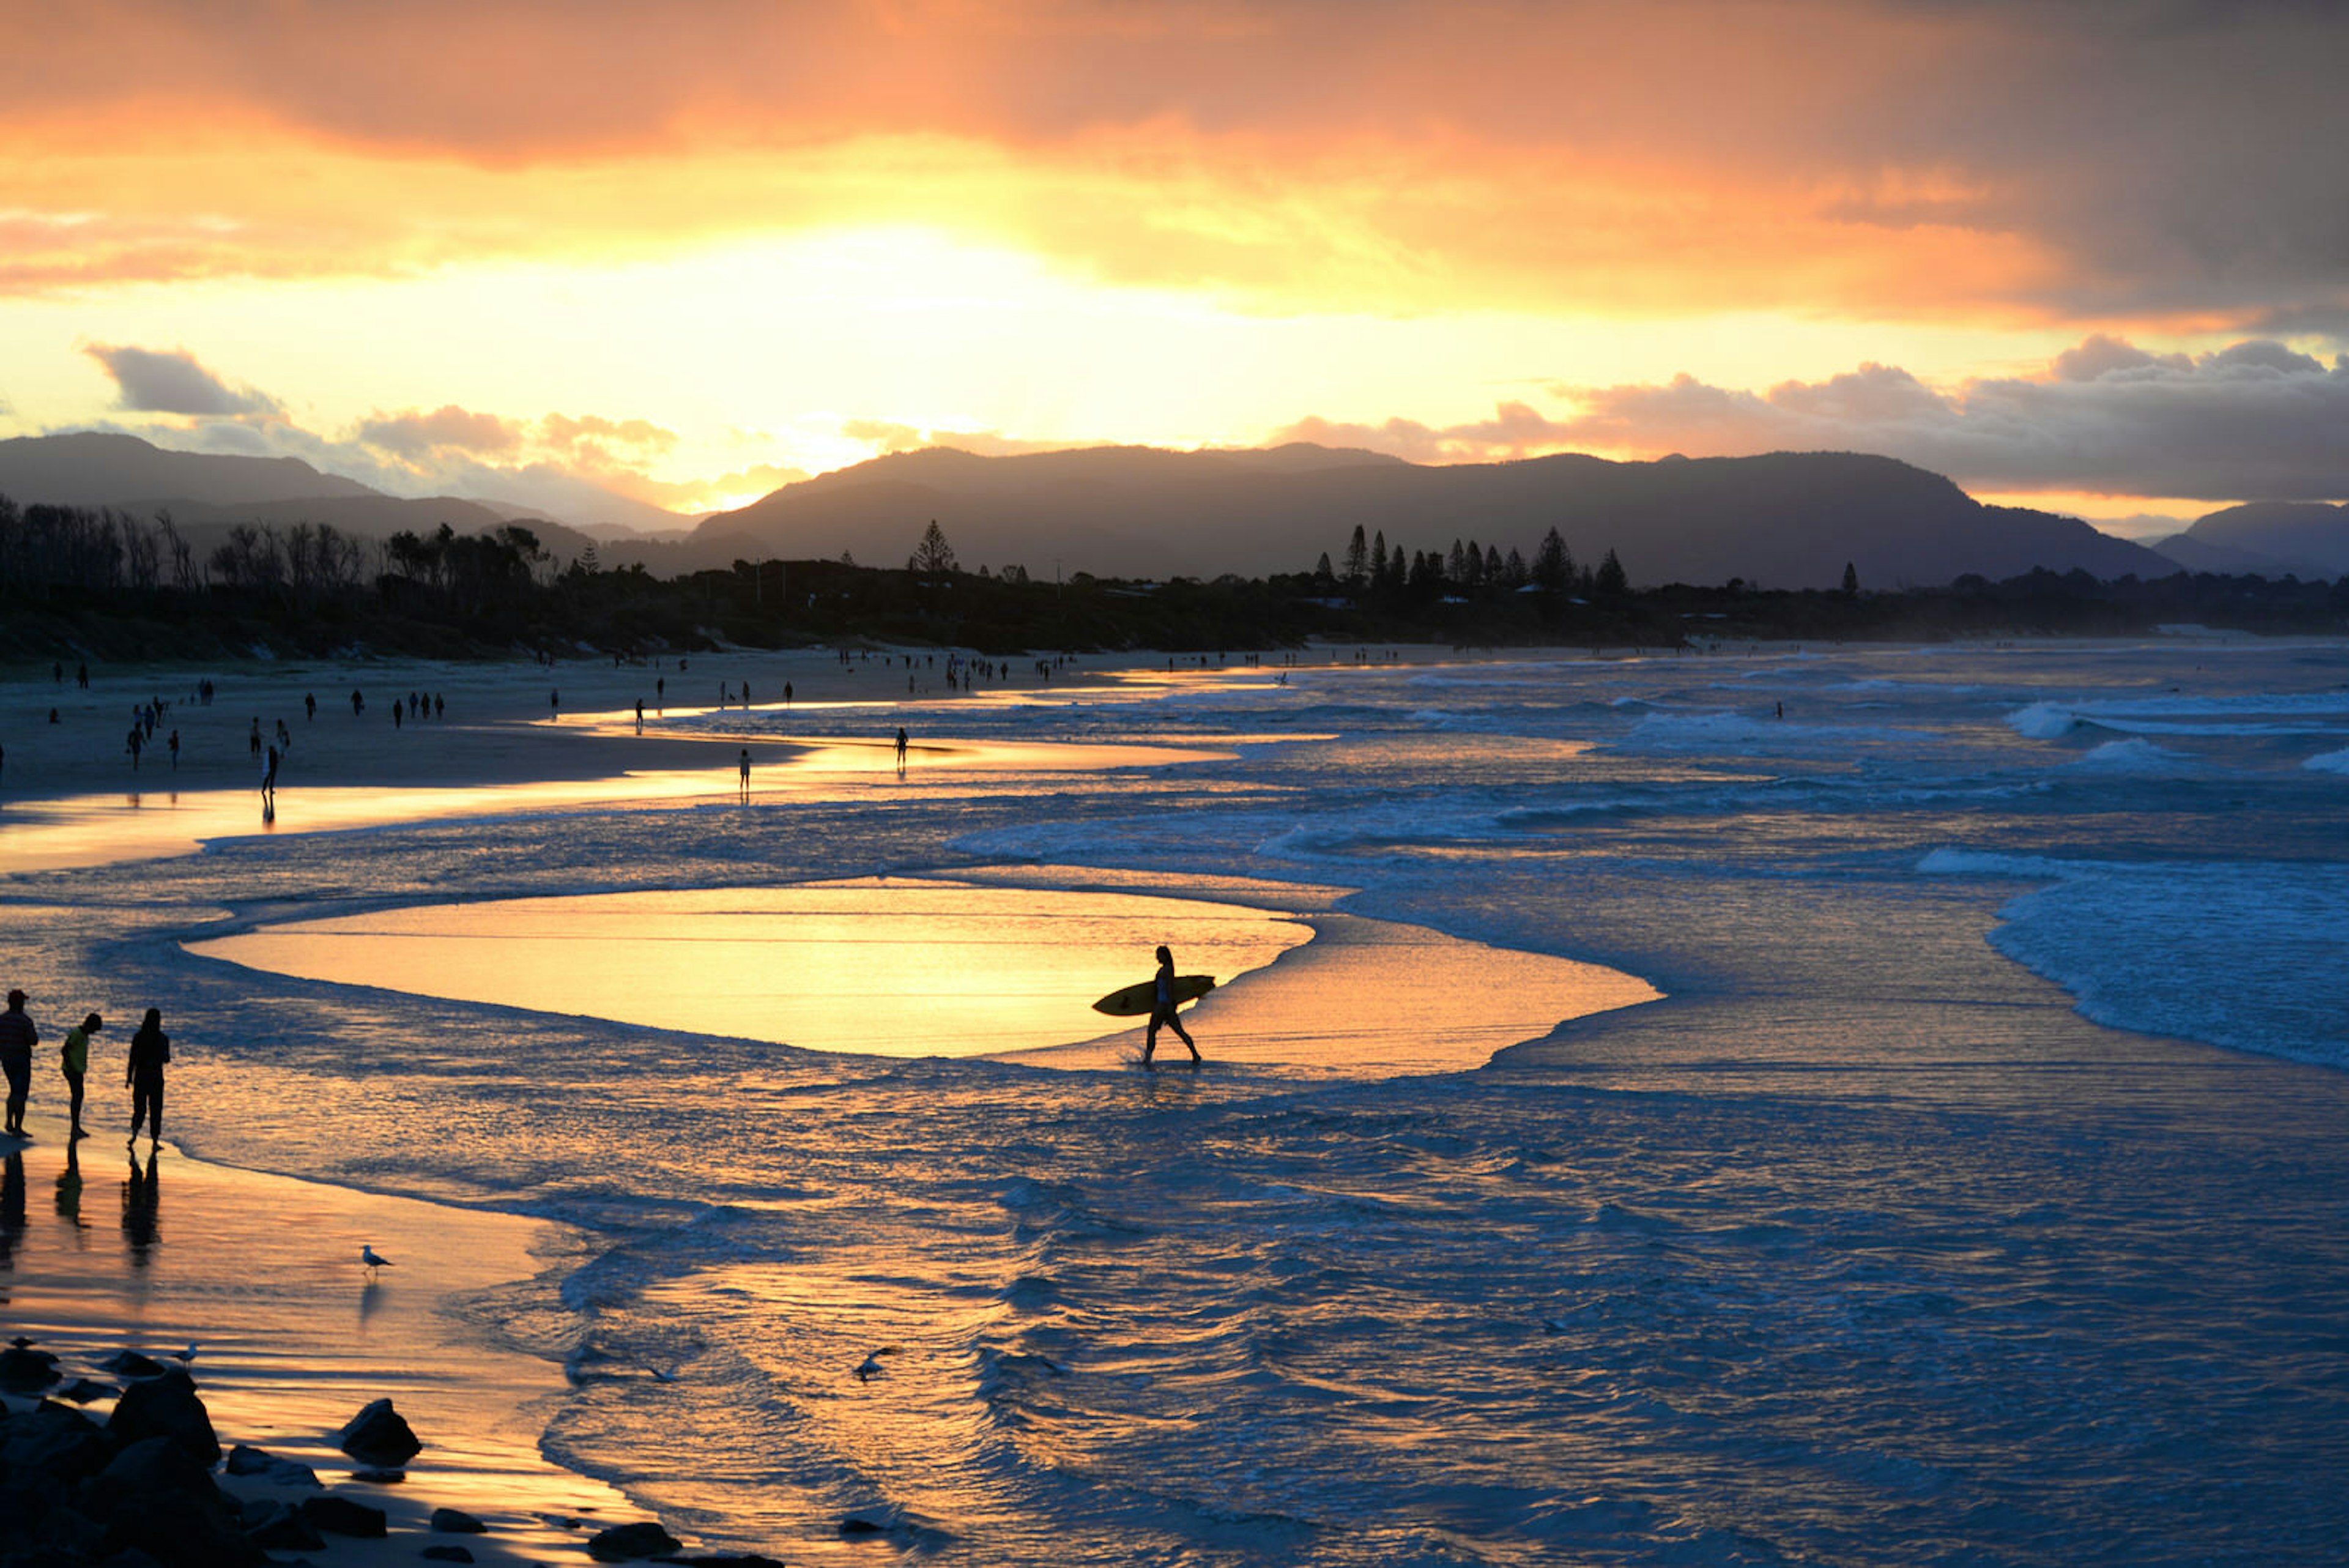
(640, 715)
(359, 703)
(73, 1060)
(901, 743)
(269, 779)
(143, 1075)
(555, 704)
(660, 694)
(17, 1038)
(174, 743)
(1162, 1012)
(787, 693)
(746, 770)
(310, 704)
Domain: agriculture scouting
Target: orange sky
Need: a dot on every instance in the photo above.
(763, 238)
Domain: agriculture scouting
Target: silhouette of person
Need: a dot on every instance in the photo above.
(143, 1075)
(73, 1060)
(787, 693)
(746, 770)
(640, 715)
(174, 744)
(660, 694)
(310, 704)
(269, 778)
(1162, 1012)
(17, 1038)
(555, 704)
(395, 712)
(359, 703)
(901, 743)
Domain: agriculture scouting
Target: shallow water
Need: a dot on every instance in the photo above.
(1977, 1193)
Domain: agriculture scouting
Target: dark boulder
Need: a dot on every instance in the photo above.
(156, 1499)
(339, 1515)
(131, 1364)
(446, 1554)
(276, 1527)
(166, 1406)
(456, 1522)
(58, 1445)
(261, 1465)
(81, 1391)
(24, 1370)
(379, 1435)
(626, 1542)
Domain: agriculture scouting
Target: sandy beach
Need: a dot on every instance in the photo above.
(1633, 1125)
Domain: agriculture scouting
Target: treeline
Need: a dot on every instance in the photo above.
(82, 583)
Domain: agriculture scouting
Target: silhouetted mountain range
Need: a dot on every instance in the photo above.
(1784, 520)
(2271, 538)
(1787, 520)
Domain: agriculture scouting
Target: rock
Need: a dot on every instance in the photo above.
(81, 1391)
(166, 1406)
(57, 1444)
(265, 1466)
(456, 1522)
(746, 1560)
(131, 1364)
(24, 1369)
(339, 1515)
(625, 1542)
(446, 1554)
(379, 1435)
(853, 1526)
(278, 1528)
(379, 1477)
(154, 1497)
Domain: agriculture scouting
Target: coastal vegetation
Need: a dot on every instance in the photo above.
(97, 582)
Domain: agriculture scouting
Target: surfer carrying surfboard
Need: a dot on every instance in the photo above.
(1162, 1011)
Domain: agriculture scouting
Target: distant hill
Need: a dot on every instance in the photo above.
(1784, 520)
(94, 468)
(2273, 538)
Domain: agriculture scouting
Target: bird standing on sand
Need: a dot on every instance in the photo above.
(367, 1256)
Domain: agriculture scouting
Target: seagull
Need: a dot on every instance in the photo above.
(366, 1256)
(184, 1356)
(868, 1369)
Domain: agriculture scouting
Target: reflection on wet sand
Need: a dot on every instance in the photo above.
(143, 1207)
(102, 829)
(907, 967)
(885, 966)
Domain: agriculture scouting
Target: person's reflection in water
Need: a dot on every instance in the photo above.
(143, 1199)
(11, 1207)
(69, 1188)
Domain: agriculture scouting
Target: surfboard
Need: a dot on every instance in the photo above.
(1134, 1001)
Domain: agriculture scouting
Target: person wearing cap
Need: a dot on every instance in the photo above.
(17, 1038)
(74, 1059)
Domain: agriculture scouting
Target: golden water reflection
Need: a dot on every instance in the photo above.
(881, 966)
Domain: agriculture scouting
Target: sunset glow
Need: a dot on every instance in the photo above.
(691, 257)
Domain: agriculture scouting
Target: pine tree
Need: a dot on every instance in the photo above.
(1851, 581)
(1553, 568)
(932, 556)
(1322, 577)
(1357, 565)
(1612, 582)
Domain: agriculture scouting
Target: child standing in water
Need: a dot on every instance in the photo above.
(1162, 1012)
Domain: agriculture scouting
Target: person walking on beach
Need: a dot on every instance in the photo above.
(73, 1060)
(17, 1038)
(143, 1075)
(901, 743)
(640, 715)
(554, 706)
(1162, 1012)
(746, 772)
(269, 780)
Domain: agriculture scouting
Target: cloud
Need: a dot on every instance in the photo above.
(173, 383)
(2257, 420)
(886, 436)
(416, 435)
(2038, 160)
(1516, 430)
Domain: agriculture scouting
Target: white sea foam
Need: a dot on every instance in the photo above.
(2329, 762)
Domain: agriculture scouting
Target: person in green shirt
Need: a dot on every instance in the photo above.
(75, 1059)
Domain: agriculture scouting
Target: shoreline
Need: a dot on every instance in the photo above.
(258, 1276)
